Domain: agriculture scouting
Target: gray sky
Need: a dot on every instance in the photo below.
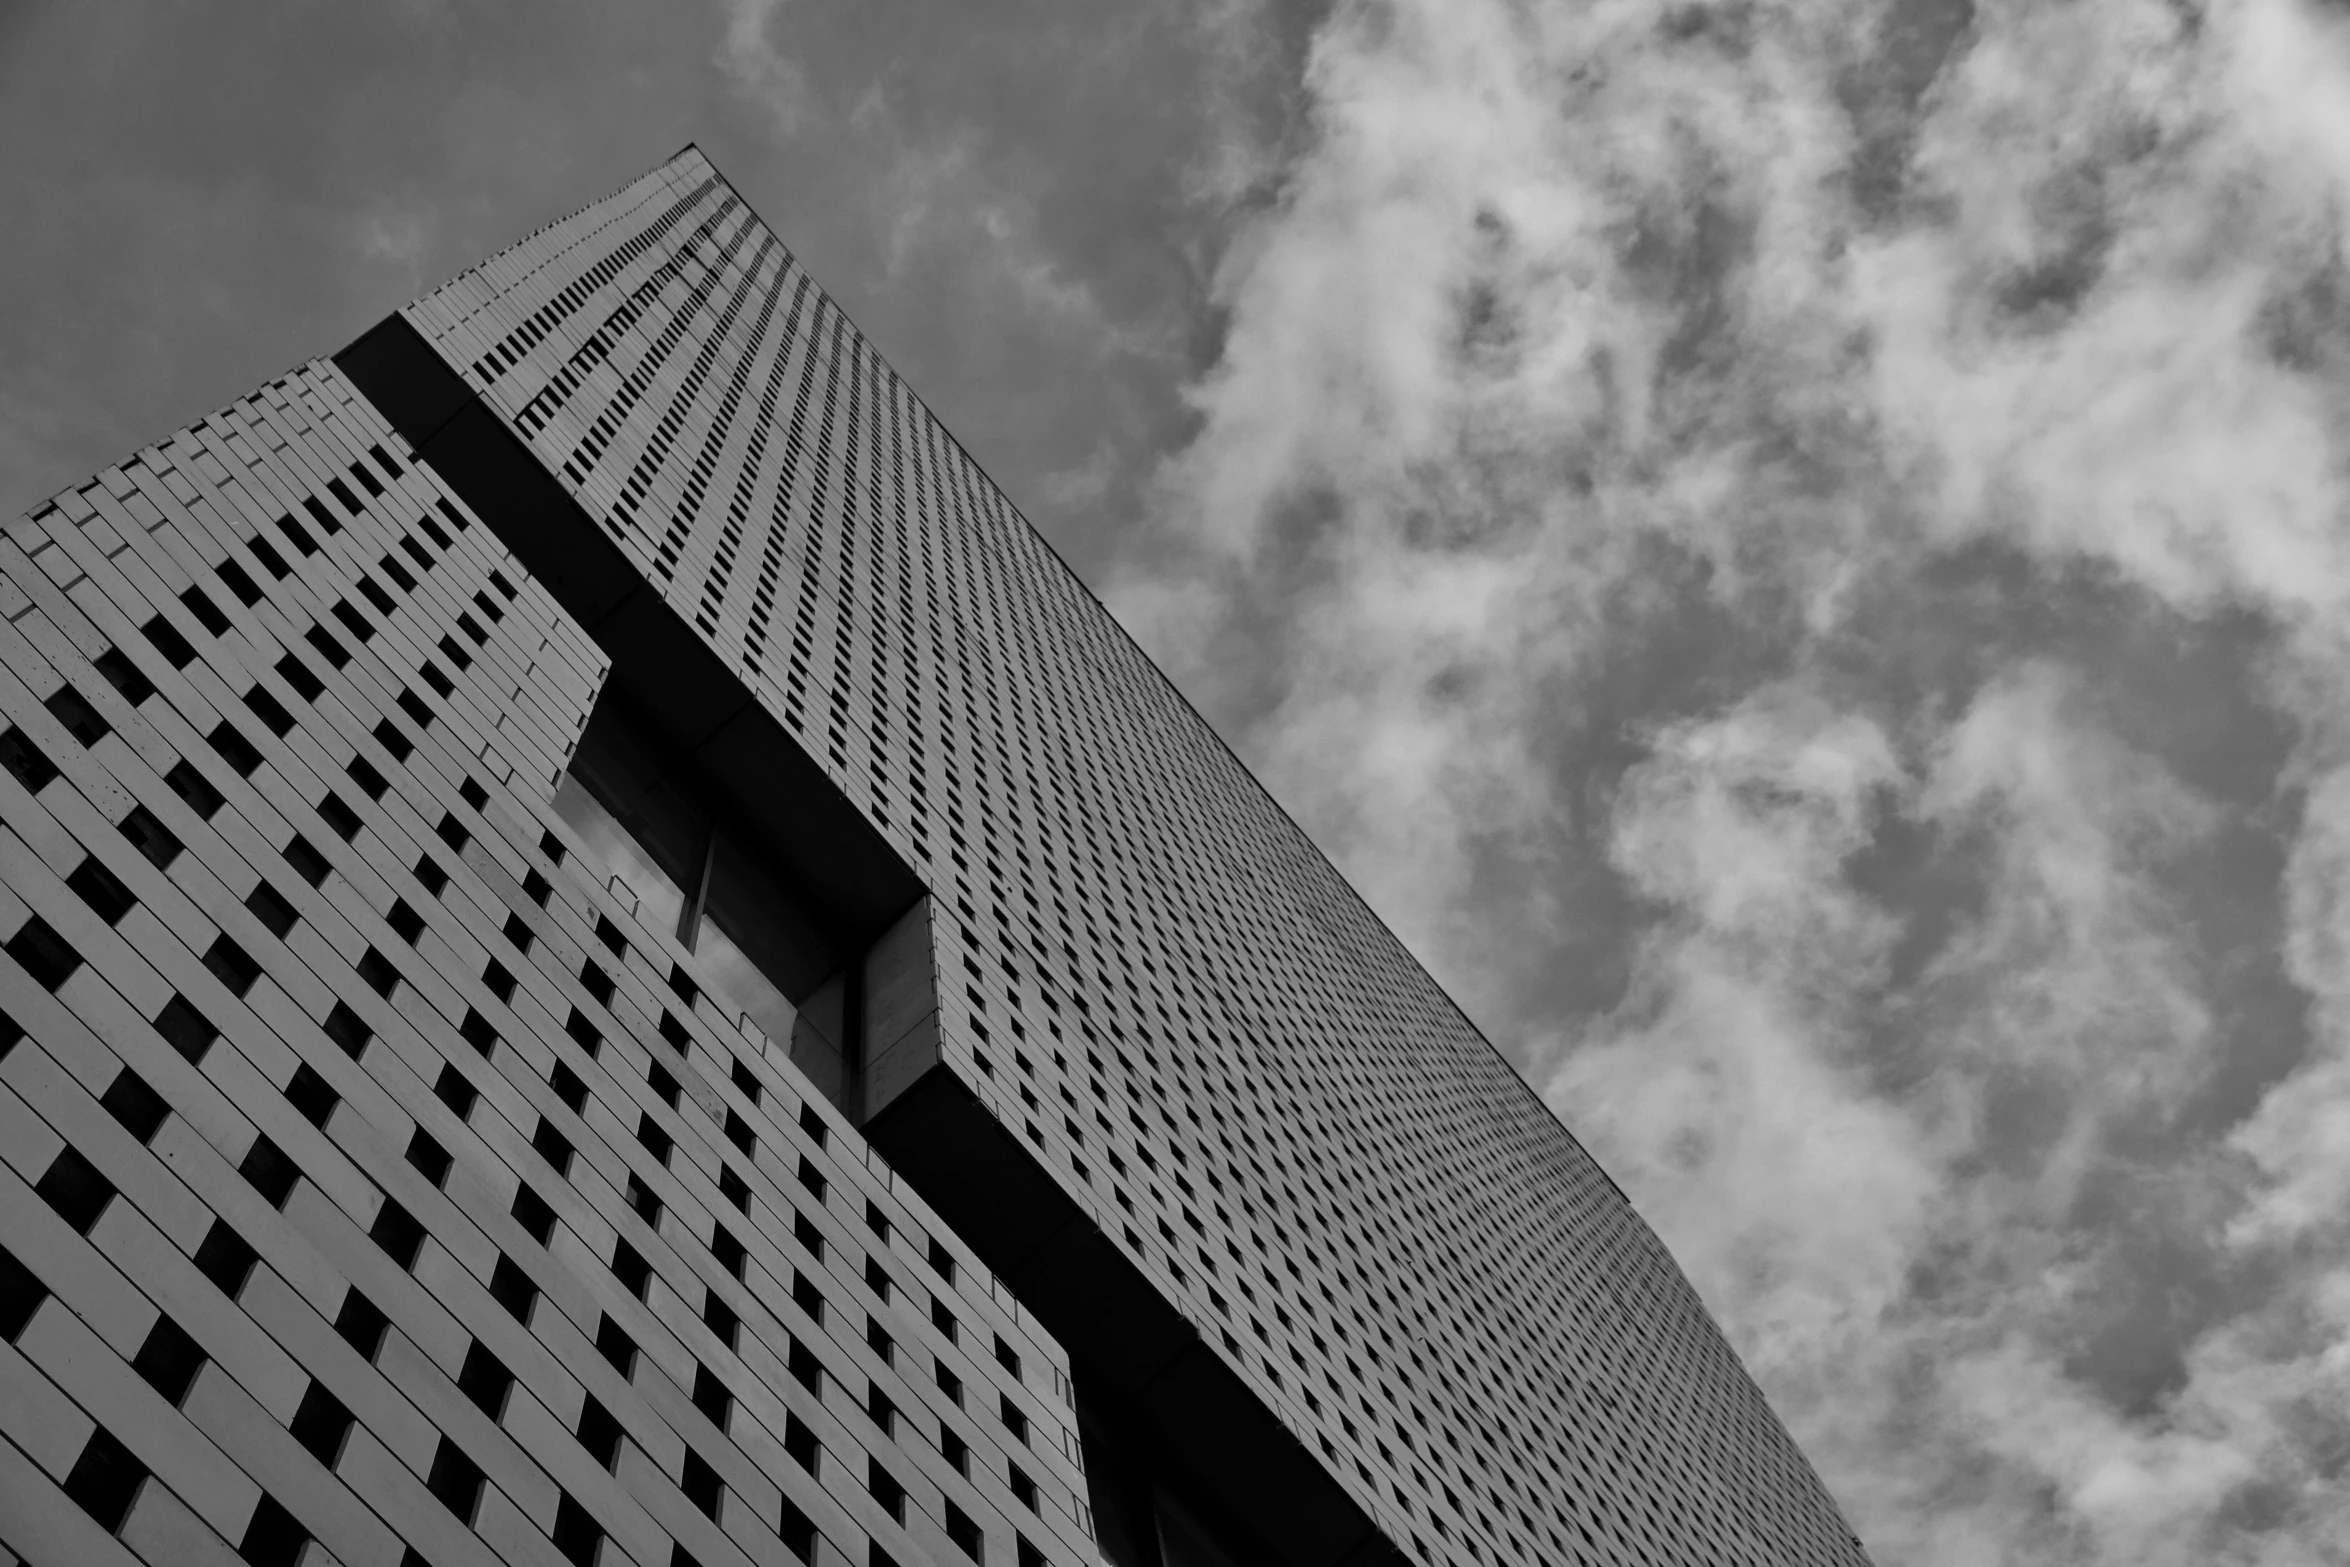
(1798, 552)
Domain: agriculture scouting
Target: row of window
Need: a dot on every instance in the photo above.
(223, 1256)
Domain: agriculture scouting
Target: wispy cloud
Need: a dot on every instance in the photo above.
(1799, 553)
(757, 66)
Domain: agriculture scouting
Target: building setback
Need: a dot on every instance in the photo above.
(609, 960)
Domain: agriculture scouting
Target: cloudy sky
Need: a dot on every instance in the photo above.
(1799, 552)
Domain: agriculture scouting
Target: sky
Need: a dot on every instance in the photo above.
(1799, 553)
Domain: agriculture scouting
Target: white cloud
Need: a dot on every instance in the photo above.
(1700, 485)
(760, 69)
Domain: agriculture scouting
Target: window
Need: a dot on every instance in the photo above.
(455, 1481)
(428, 1156)
(80, 719)
(73, 1186)
(232, 965)
(266, 904)
(150, 837)
(800, 1442)
(398, 1232)
(614, 1344)
(270, 1171)
(311, 1095)
(599, 1433)
(43, 953)
(166, 639)
(105, 1480)
(321, 1424)
(885, 1489)
(137, 1106)
(225, 1259)
(21, 1295)
(720, 1318)
(797, 1531)
(532, 1212)
(511, 1288)
(169, 1360)
(700, 1483)
(963, 1531)
(485, 1380)
(348, 1030)
(124, 676)
(192, 788)
(631, 1269)
(307, 862)
(577, 1536)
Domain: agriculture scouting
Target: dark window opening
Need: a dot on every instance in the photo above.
(27, 761)
(207, 613)
(599, 1433)
(321, 1423)
(240, 582)
(138, 1107)
(124, 676)
(73, 1186)
(232, 965)
(361, 1324)
(701, 1484)
(185, 1029)
(455, 1481)
(273, 1537)
(578, 1537)
(105, 1480)
(169, 1359)
(311, 1096)
(79, 718)
(150, 837)
(614, 1344)
(239, 752)
(485, 1380)
(429, 1157)
(102, 890)
(398, 1232)
(266, 904)
(532, 1212)
(226, 1259)
(512, 1288)
(165, 638)
(307, 862)
(270, 1170)
(630, 1268)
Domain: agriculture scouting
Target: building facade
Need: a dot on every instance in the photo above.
(610, 961)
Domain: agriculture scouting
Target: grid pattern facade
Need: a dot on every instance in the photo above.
(372, 1183)
(1143, 970)
(1144, 965)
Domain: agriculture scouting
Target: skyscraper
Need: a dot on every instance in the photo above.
(609, 960)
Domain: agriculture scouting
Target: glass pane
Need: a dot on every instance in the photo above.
(735, 977)
(659, 898)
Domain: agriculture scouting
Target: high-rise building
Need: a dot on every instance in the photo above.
(609, 960)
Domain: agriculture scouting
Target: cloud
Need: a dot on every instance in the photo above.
(1799, 553)
(756, 67)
